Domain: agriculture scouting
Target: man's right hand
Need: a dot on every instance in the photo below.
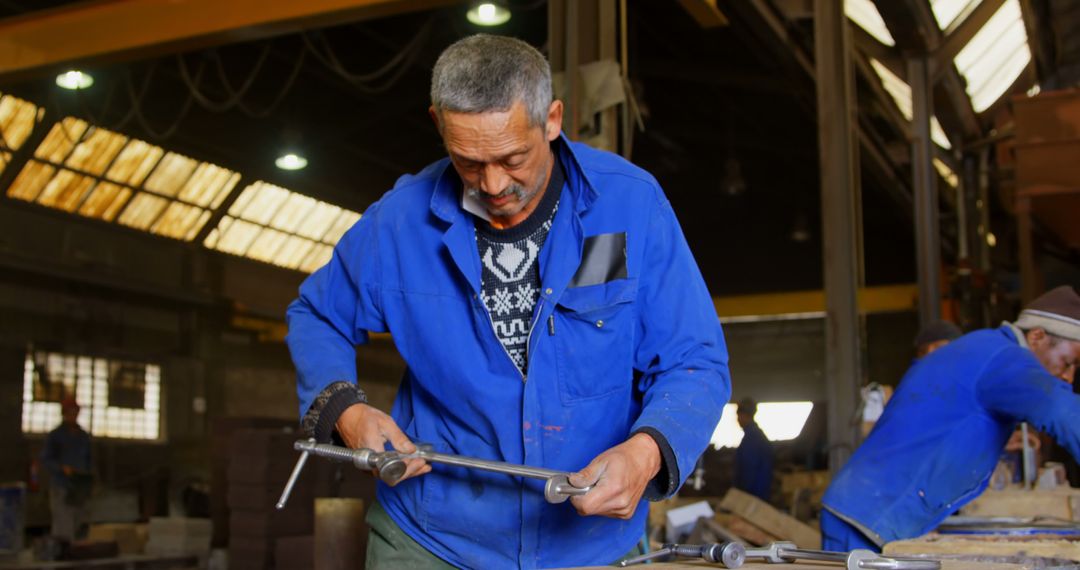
(361, 425)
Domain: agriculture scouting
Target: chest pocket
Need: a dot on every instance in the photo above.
(594, 335)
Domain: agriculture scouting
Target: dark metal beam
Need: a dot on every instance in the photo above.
(1041, 40)
(841, 224)
(924, 184)
(109, 31)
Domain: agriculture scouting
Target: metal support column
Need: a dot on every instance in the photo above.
(841, 224)
(924, 186)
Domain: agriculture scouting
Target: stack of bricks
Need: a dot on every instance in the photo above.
(260, 462)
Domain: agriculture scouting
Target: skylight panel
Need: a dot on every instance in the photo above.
(95, 152)
(995, 57)
(866, 15)
(100, 174)
(143, 211)
(28, 184)
(61, 140)
(179, 220)
(171, 174)
(209, 185)
(65, 191)
(319, 221)
(105, 201)
(17, 118)
(134, 163)
(947, 12)
(274, 225)
(318, 257)
(901, 94)
(345, 221)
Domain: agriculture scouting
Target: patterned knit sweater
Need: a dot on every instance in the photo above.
(511, 272)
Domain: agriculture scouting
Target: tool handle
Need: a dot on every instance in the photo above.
(293, 478)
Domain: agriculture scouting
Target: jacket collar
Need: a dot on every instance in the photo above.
(1018, 335)
(446, 201)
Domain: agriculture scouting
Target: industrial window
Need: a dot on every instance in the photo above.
(100, 174)
(995, 57)
(781, 421)
(901, 94)
(278, 226)
(119, 399)
(866, 15)
(17, 118)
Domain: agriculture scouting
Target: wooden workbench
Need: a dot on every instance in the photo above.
(945, 565)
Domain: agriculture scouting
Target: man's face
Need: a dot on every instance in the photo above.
(502, 159)
(1059, 356)
(70, 415)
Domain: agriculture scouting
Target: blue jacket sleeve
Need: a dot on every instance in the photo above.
(680, 351)
(337, 307)
(1016, 387)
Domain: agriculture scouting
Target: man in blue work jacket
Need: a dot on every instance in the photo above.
(936, 445)
(550, 313)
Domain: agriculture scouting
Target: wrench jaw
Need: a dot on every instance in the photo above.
(855, 558)
(558, 489)
(731, 555)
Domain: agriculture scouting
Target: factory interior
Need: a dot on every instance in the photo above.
(877, 195)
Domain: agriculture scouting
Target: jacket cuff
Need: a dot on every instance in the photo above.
(664, 484)
(328, 406)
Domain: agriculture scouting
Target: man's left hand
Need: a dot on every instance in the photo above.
(618, 476)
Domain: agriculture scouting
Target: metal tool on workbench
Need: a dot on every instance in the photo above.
(390, 466)
(734, 554)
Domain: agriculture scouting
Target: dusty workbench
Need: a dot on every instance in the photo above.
(698, 565)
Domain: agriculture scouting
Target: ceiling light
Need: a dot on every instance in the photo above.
(991, 239)
(74, 79)
(291, 161)
(488, 14)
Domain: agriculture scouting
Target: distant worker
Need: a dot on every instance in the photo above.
(934, 336)
(66, 456)
(936, 445)
(754, 457)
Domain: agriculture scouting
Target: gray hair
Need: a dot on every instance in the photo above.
(484, 73)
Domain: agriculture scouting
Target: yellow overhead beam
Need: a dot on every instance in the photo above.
(113, 30)
(882, 299)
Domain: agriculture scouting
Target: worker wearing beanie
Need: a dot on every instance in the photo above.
(937, 443)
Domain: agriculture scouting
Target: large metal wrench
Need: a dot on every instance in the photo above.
(390, 466)
(734, 554)
(859, 559)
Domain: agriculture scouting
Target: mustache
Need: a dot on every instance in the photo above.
(516, 190)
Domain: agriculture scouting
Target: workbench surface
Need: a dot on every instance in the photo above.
(945, 565)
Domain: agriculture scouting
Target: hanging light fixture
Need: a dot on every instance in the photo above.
(488, 14)
(291, 161)
(74, 79)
